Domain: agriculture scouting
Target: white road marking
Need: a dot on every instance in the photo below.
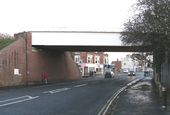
(56, 90)
(16, 100)
(80, 85)
(105, 108)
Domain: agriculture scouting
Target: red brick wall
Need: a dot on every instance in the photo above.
(117, 65)
(84, 56)
(43, 61)
(32, 62)
(13, 56)
(102, 55)
(72, 70)
(58, 65)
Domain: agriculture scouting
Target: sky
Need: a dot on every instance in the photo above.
(75, 15)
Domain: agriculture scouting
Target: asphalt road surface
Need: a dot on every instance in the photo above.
(84, 97)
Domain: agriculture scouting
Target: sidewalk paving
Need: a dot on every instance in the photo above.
(139, 99)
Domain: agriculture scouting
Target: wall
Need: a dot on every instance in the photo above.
(72, 70)
(32, 62)
(117, 66)
(13, 57)
(58, 65)
(100, 54)
(84, 57)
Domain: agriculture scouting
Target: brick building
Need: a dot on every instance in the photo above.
(117, 65)
(91, 62)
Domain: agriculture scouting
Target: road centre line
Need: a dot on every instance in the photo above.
(16, 100)
(62, 89)
(56, 90)
(80, 85)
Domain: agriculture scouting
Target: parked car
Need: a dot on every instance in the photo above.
(131, 73)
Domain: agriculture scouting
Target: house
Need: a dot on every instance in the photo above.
(91, 62)
(117, 66)
(128, 64)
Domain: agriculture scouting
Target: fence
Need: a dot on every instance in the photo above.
(165, 75)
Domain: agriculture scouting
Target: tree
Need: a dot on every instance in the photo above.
(5, 40)
(5, 36)
(151, 26)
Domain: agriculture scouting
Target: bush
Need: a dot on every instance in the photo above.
(5, 40)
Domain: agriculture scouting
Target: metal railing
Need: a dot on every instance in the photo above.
(165, 75)
(165, 83)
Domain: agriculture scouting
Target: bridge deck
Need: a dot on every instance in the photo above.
(82, 41)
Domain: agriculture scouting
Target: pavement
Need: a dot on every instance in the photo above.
(139, 99)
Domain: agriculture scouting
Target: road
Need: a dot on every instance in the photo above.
(84, 97)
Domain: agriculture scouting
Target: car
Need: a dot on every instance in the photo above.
(109, 74)
(112, 73)
(131, 73)
(125, 71)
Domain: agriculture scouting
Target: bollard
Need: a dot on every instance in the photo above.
(164, 107)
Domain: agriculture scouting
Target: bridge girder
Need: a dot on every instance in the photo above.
(97, 48)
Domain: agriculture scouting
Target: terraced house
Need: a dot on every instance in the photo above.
(91, 62)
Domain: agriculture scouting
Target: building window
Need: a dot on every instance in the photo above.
(98, 70)
(77, 58)
(89, 59)
(97, 59)
(106, 60)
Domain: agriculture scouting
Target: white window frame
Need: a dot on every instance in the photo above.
(89, 58)
(77, 58)
(97, 59)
